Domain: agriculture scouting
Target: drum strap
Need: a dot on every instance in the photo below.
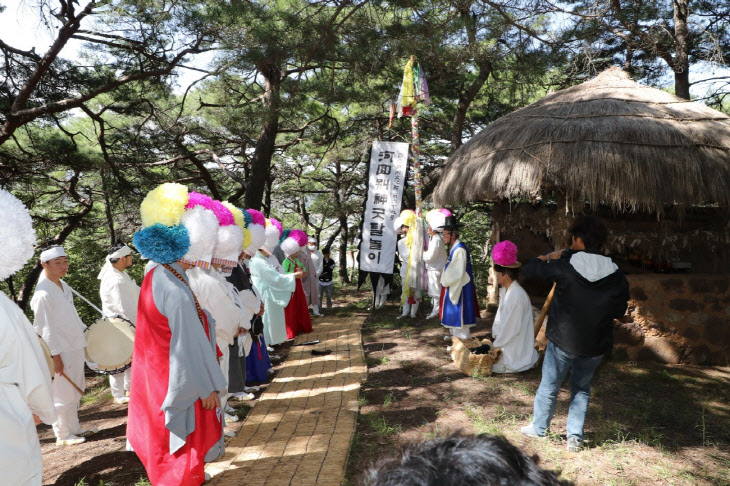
(86, 300)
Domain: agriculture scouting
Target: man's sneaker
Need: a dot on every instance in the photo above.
(269, 349)
(121, 401)
(574, 444)
(250, 389)
(529, 431)
(274, 357)
(71, 440)
(87, 432)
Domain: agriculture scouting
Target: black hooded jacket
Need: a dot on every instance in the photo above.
(581, 315)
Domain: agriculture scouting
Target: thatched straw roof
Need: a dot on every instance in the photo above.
(609, 140)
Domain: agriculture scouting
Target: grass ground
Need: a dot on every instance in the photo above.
(648, 424)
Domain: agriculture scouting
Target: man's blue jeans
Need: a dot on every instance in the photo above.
(555, 368)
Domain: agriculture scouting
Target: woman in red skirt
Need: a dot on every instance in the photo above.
(296, 313)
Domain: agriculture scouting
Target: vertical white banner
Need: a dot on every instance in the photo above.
(388, 163)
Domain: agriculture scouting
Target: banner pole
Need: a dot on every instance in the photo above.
(416, 145)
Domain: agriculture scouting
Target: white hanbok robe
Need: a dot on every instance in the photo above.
(25, 389)
(435, 258)
(513, 330)
(211, 289)
(60, 326)
(250, 304)
(119, 295)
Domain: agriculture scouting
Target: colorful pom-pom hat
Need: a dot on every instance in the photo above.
(163, 239)
(504, 254)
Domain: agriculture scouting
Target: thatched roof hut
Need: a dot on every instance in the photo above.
(607, 141)
(654, 166)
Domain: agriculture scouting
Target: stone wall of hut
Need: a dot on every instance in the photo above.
(676, 319)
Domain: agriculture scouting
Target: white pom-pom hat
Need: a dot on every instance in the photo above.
(258, 238)
(397, 223)
(228, 245)
(436, 220)
(202, 226)
(272, 238)
(17, 236)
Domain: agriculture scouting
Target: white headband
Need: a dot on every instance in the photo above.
(51, 253)
(120, 253)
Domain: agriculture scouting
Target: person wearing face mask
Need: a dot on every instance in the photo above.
(310, 282)
(60, 326)
(119, 296)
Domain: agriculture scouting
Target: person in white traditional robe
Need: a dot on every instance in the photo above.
(513, 329)
(316, 255)
(435, 257)
(310, 282)
(211, 289)
(25, 392)
(119, 296)
(459, 306)
(26, 396)
(60, 326)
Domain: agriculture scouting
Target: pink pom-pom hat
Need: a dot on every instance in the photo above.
(224, 215)
(445, 212)
(299, 236)
(257, 217)
(197, 199)
(504, 254)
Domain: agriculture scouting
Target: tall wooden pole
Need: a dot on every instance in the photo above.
(416, 147)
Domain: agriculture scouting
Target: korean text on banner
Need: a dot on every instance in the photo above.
(388, 162)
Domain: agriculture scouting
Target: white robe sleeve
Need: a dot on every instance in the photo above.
(25, 389)
(404, 253)
(434, 246)
(455, 277)
(213, 296)
(43, 310)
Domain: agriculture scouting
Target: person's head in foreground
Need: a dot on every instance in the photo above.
(476, 460)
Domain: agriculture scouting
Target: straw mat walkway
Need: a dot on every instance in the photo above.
(300, 430)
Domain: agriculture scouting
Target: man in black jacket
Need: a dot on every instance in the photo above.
(590, 293)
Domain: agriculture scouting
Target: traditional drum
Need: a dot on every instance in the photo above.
(109, 345)
(47, 354)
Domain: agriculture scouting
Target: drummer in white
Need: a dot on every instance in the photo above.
(58, 323)
(119, 296)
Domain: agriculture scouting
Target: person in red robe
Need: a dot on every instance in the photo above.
(175, 421)
(296, 313)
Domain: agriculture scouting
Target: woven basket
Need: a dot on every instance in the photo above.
(468, 362)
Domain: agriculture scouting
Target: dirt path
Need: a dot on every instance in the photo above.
(300, 430)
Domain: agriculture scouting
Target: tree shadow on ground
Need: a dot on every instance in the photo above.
(118, 467)
(663, 406)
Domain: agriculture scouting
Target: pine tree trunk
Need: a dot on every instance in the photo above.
(681, 58)
(261, 160)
